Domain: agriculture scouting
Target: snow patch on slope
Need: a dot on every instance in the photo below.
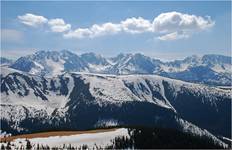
(56, 67)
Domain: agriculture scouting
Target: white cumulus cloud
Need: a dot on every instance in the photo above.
(171, 23)
(79, 33)
(173, 36)
(94, 31)
(58, 25)
(32, 20)
(106, 28)
(136, 25)
(168, 26)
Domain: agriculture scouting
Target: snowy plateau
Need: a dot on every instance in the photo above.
(102, 139)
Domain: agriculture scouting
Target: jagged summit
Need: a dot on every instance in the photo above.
(216, 68)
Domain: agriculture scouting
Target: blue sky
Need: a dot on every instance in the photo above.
(110, 28)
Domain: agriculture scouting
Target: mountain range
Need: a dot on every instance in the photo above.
(52, 90)
(209, 69)
(72, 101)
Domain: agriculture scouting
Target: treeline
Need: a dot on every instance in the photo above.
(29, 146)
(160, 138)
(143, 138)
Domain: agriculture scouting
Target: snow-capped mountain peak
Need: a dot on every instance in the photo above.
(216, 68)
(50, 63)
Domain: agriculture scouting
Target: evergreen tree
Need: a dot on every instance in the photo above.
(84, 147)
(2, 147)
(37, 147)
(28, 145)
(8, 146)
